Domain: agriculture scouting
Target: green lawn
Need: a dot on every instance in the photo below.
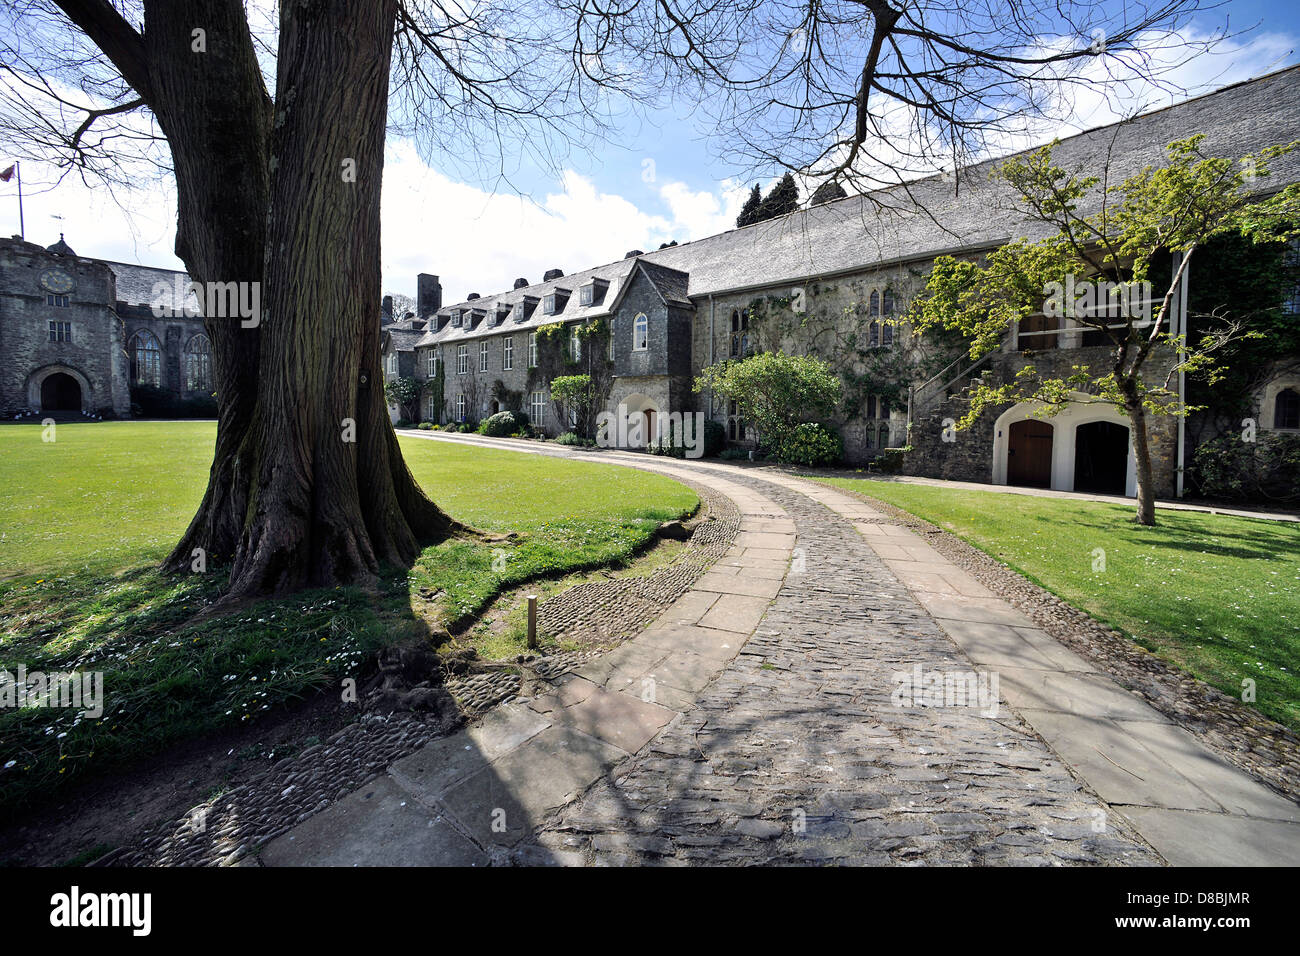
(1218, 595)
(83, 521)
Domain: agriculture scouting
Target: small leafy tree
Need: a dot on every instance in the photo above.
(774, 391)
(1110, 253)
(574, 402)
(405, 394)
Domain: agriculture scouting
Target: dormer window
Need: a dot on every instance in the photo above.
(554, 303)
(455, 319)
(593, 292)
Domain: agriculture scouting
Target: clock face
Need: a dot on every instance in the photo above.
(57, 281)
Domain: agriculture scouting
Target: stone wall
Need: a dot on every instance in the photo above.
(93, 355)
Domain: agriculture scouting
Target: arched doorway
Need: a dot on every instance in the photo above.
(1101, 458)
(1029, 453)
(60, 392)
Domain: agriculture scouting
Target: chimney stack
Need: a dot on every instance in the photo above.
(387, 310)
(428, 295)
(522, 283)
(553, 274)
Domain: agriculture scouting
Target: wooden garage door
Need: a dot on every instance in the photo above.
(1029, 454)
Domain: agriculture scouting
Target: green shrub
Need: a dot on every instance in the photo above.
(890, 461)
(733, 454)
(715, 438)
(811, 444)
(148, 401)
(1235, 470)
(402, 423)
(503, 424)
(572, 438)
(426, 426)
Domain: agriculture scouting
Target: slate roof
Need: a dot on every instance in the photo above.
(896, 224)
(403, 336)
(135, 286)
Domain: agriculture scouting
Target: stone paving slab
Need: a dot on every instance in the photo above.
(735, 612)
(738, 584)
(1216, 839)
(708, 642)
(624, 720)
(1092, 695)
(442, 763)
(379, 825)
(507, 800)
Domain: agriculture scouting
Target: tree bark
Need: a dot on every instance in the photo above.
(1146, 500)
(330, 496)
(262, 198)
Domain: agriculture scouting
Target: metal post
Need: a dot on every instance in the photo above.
(1182, 376)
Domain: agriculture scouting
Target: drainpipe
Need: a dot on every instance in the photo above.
(711, 340)
(1182, 376)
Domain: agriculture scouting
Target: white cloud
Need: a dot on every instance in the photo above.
(480, 242)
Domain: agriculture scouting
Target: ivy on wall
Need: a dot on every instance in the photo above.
(841, 337)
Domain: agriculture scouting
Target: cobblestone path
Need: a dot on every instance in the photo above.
(797, 752)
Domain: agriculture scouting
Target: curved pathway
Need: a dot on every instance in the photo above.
(831, 691)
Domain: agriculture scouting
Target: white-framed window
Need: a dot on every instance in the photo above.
(575, 345)
(462, 358)
(434, 359)
(58, 301)
(392, 363)
(548, 304)
(537, 407)
(483, 356)
(460, 408)
(586, 293)
(508, 353)
(611, 345)
(198, 364)
(60, 331)
(532, 350)
(640, 332)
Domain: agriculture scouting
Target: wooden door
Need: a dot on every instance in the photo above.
(1029, 454)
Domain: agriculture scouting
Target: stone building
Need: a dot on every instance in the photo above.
(823, 281)
(76, 333)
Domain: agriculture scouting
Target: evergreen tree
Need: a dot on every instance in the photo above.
(749, 212)
(784, 198)
(827, 192)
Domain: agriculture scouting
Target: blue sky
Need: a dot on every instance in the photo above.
(658, 177)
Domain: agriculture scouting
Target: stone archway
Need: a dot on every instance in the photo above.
(59, 388)
(1101, 457)
(1107, 452)
(60, 393)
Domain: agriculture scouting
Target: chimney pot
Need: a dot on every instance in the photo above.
(552, 274)
(521, 283)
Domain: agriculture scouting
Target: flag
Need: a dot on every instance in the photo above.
(8, 174)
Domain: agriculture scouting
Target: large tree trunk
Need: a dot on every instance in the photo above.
(216, 114)
(330, 496)
(263, 198)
